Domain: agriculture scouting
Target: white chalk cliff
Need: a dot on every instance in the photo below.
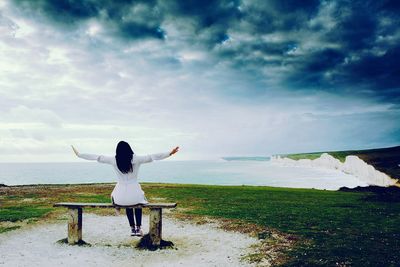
(353, 165)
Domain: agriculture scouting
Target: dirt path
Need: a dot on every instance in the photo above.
(195, 245)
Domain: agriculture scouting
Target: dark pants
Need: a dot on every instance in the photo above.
(129, 214)
(138, 216)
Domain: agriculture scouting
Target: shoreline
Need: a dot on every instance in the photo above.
(172, 185)
(257, 173)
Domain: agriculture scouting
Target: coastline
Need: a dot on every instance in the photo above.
(259, 173)
(174, 185)
(352, 165)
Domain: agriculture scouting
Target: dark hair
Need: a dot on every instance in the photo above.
(123, 156)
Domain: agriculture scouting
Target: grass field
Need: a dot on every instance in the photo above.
(386, 160)
(334, 228)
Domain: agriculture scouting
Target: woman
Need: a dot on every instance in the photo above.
(127, 191)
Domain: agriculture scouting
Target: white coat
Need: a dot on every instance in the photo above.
(127, 191)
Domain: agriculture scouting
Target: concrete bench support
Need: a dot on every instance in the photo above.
(75, 218)
(155, 226)
(74, 225)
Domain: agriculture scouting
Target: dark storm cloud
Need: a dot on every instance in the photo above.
(212, 18)
(275, 15)
(309, 72)
(340, 46)
(128, 19)
(354, 45)
(207, 13)
(136, 19)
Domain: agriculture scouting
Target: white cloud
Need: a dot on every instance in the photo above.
(24, 114)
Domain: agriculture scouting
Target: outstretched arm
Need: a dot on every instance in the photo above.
(158, 156)
(98, 158)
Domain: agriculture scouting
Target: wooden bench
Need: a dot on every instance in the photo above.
(75, 218)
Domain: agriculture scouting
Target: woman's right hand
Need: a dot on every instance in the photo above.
(75, 151)
(175, 150)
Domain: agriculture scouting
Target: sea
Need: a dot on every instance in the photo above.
(228, 171)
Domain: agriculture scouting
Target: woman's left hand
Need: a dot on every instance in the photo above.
(176, 149)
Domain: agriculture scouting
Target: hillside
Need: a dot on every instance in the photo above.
(386, 160)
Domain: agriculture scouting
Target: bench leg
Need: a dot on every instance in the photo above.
(74, 225)
(155, 226)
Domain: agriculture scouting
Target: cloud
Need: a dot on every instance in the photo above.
(126, 19)
(327, 45)
(29, 115)
(307, 45)
(7, 26)
(216, 77)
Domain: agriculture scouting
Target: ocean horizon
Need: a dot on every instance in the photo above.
(209, 172)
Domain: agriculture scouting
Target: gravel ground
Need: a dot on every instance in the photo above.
(195, 245)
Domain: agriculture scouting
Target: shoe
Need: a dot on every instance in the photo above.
(133, 231)
(139, 231)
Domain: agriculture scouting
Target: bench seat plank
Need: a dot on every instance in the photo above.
(110, 205)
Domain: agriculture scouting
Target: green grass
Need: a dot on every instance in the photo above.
(19, 213)
(335, 228)
(304, 156)
(91, 198)
(6, 229)
(342, 228)
(20, 196)
(340, 155)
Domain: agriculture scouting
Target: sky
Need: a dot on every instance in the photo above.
(217, 78)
